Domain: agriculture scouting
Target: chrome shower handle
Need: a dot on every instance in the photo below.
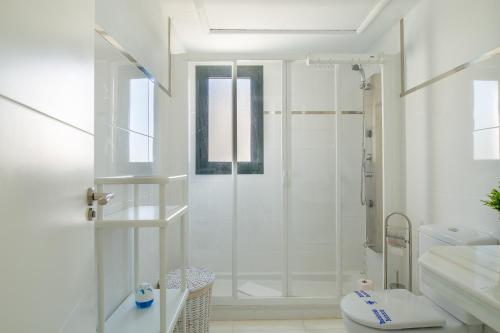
(101, 198)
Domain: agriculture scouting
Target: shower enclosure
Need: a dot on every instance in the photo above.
(276, 152)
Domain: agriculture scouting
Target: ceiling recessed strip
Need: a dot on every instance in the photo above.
(372, 15)
(285, 31)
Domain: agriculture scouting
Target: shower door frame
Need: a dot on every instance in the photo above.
(287, 297)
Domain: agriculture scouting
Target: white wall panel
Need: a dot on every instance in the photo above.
(47, 57)
(444, 182)
(46, 144)
(46, 244)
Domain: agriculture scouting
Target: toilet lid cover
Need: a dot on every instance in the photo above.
(390, 310)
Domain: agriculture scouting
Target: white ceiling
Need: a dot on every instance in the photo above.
(281, 28)
(287, 14)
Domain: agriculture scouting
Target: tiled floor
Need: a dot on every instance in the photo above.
(278, 326)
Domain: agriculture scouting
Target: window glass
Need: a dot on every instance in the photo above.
(486, 120)
(219, 120)
(139, 105)
(141, 119)
(138, 148)
(486, 112)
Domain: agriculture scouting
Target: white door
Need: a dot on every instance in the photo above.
(46, 164)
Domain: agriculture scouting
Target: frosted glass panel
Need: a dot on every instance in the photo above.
(220, 120)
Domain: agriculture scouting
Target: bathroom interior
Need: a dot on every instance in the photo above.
(229, 166)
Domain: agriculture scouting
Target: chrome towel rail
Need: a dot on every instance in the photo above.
(408, 241)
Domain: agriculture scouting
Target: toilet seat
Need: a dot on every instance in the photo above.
(452, 326)
(395, 310)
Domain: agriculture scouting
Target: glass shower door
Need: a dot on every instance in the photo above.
(286, 217)
(236, 215)
(210, 171)
(327, 216)
(312, 188)
(259, 181)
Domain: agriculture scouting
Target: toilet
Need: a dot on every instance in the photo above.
(399, 310)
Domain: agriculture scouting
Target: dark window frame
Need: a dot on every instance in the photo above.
(256, 76)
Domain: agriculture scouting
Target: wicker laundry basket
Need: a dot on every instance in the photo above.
(197, 311)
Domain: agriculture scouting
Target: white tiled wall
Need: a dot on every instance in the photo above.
(449, 181)
(444, 182)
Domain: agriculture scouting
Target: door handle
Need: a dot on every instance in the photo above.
(101, 198)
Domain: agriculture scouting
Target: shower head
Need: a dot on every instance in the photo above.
(359, 68)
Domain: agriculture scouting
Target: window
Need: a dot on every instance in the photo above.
(214, 120)
(141, 120)
(134, 122)
(486, 132)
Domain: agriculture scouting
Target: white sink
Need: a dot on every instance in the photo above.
(468, 276)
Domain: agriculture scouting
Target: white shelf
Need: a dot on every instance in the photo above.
(124, 180)
(130, 319)
(141, 216)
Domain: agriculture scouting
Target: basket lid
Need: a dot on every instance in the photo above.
(197, 278)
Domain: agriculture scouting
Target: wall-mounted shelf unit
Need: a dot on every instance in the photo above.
(168, 306)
